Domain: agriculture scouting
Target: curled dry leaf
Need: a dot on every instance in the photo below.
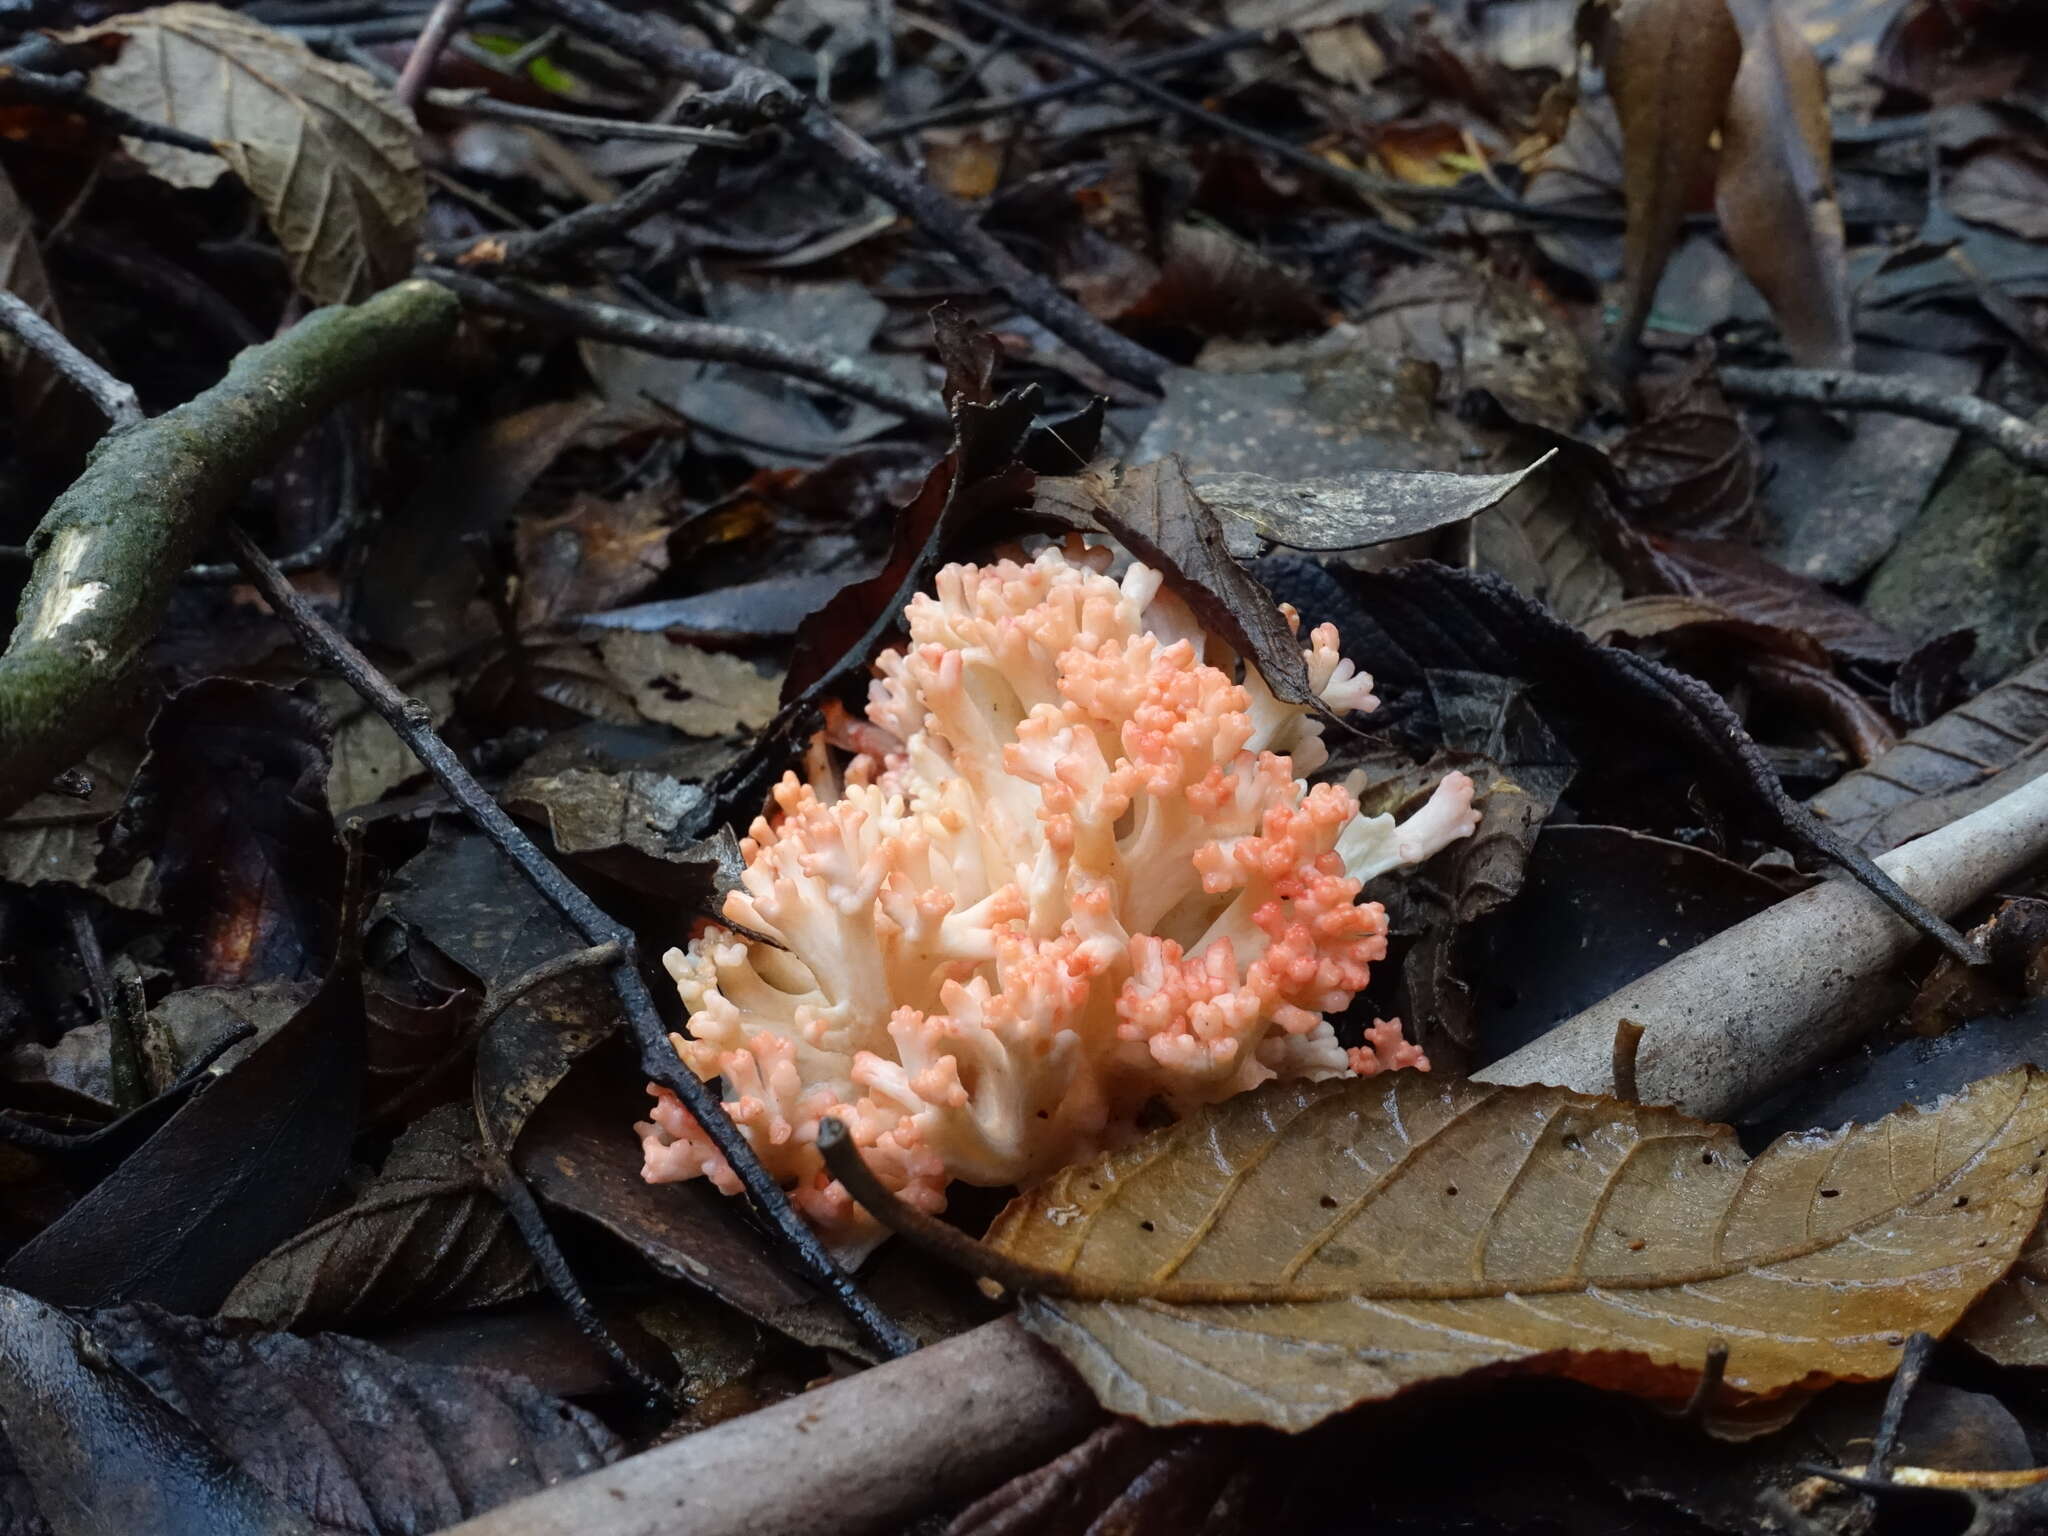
(325, 150)
(1670, 64)
(1776, 193)
(1306, 1247)
(1356, 510)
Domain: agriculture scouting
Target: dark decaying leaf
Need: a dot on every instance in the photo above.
(1670, 64)
(1691, 466)
(422, 572)
(1305, 1247)
(1968, 757)
(579, 1155)
(1599, 906)
(145, 1421)
(425, 1236)
(236, 1171)
(1154, 512)
(770, 609)
(1756, 589)
(595, 555)
(979, 476)
(1125, 1478)
(100, 1454)
(328, 155)
(1930, 681)
(461, 896)
(185, 1027)
(55, 418)
(1216, 284)
(1775, 190)
(54, 839)
(232, 803)
(1355, 511)
(2006, 187)
(1651, 738)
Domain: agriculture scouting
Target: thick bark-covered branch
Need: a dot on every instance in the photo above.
(862, 1455)
(110, 548)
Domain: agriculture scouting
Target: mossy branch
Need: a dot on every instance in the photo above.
(112, 545)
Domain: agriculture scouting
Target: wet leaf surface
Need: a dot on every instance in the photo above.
(181, 1219)
(233, 798)
(1304, 1248)
(143, 1420)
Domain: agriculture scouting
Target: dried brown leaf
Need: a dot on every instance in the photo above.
(1309, 1246)
(1670, 64)
(699, 692)
(324, 149)
(426, 1236)
(1776, 192)
(2010, 1323)
(2007, 188)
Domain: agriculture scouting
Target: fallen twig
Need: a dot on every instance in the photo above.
(413, 723)
(937, 214)
(110, 548)
(426, 51)
(68, 93)
(699, 339)
(115, 399)
(864, 1454)
(2018, 439)
(476, 103)
(1754, 1006)
(1081, 83)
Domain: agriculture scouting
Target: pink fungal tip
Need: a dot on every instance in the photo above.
(1072, 870)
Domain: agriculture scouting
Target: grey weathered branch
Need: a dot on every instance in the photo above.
(2018, 439)
(115, 399)
(697, 339)
(111, 546)
(1753, 1007)
(864, 1454)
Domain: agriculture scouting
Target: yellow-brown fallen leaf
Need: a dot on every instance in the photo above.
(1306, 1247)
(2010, 1323)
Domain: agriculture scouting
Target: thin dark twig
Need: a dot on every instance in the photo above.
(941, 1240)
(426, 51)
(1628, 1040)
(127, 1069)
(934, 212)
(413, 722)
(1712, 1370)
(597, 957)
(2018, 439)
(512, 1193)
(700, 339)
(116, 400)
(574, 124)
(68, 93)
(85, 938)
(574, 233)
(1081, 83)
(1885, 1444)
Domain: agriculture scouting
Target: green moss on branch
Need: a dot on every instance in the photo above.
(112, 545)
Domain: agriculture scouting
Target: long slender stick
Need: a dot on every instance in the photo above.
(426, 52)
(1081, 83)
(697, 339)
(937, 214)
(2018, 439)
(413, 723)
(115, 399)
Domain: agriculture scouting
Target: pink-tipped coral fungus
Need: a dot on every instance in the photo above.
(1073, 870)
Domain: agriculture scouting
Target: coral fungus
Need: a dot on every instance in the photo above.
(1073, 870)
